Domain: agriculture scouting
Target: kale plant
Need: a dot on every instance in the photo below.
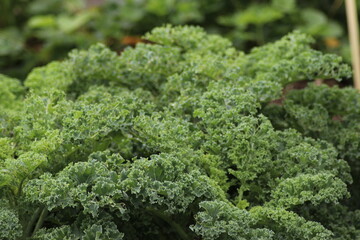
(179, 140)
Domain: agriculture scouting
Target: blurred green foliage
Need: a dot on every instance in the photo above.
(35, 32)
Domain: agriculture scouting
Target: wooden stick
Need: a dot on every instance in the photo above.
(353, 26)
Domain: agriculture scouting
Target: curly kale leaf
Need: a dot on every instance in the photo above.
(162, 186)
(220, 220)
(88, 230)
(167, 182)
(90, 185)
(197, 39)
(96, 66)
(343, 222)
(291, 59)
(10, 227)
(11, 92)
(330, 114)
(318, 188)
(55, 75)
(285, 224)
(16, 172)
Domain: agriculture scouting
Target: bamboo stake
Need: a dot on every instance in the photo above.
(353, 26)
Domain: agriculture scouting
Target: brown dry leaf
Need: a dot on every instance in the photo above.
(332, 42)
(133, 40)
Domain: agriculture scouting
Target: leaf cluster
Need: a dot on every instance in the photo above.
(174, 140)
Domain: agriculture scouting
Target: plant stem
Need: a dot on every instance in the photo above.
(353, 25)
(41, 220)
(31, 223)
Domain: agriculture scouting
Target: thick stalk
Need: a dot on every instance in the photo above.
(41, 220)
(353, 25)
(31, 223)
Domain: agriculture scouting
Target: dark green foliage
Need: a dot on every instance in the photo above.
(321, 112)
(176, 140)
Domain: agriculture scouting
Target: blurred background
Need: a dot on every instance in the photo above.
(35, 32)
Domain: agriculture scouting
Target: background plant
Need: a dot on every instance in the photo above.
(35, 32)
